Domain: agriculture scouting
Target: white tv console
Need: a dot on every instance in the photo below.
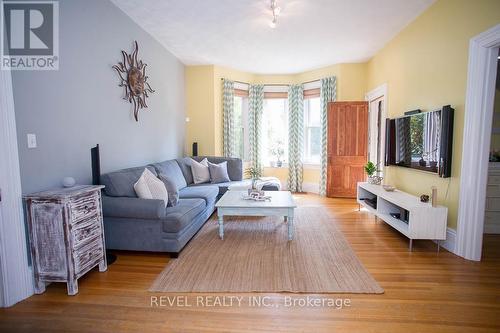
(423, 220)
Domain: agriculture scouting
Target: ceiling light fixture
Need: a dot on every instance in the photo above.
(276, 12)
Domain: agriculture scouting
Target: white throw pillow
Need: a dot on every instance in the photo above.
(201, 173)
(150, 187)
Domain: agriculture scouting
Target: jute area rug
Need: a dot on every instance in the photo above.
(256, 256)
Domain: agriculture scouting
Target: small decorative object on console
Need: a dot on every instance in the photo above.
(434, 196)
(389, 188)
(370, 170)
(424, 198)
(68, 182)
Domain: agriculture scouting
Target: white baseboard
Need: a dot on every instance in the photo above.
(449, 243)
(310, 187)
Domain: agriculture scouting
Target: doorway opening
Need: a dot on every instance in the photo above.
(377, 113)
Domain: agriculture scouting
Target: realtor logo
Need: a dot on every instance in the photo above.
(30, 35)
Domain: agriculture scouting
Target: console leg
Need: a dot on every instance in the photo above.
(359, 207)
(411, 244)
(437, 246)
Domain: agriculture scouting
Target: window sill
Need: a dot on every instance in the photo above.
(309, 166)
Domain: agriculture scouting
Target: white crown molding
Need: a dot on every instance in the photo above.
(483, 53)
(377, 92)
(16, 279)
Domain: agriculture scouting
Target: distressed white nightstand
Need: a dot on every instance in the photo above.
(66, 235)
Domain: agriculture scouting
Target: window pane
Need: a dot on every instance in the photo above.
(315, 141)
(314, 112)
(312, 130)
(275, 130)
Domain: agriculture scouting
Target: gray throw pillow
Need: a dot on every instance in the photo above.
(173, 192)
(218, 172)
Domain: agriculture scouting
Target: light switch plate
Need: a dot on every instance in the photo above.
(31, 141)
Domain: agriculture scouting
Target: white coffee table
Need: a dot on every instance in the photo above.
(232, 203)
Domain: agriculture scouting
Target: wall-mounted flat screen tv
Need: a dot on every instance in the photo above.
(421, 141)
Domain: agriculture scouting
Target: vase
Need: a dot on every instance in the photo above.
(279, 164)
(375, 180)
(254, 183)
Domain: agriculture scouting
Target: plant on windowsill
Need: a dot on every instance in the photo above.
(254, 173)
(370, 170)
(278, 151)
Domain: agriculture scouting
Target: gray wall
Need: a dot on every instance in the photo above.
(80, 105)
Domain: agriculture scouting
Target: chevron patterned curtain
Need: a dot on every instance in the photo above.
(328, 93)
(228, 118)
(255, 109)
(295, 136)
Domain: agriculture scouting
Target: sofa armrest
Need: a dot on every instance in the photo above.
(133, 207)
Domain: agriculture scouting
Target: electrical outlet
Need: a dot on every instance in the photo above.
(31, 141)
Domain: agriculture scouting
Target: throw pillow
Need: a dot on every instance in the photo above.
(200, 171)
(150, 187)
(173, 192)
(218, 172)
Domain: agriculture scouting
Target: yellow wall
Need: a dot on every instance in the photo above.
(199, 87)
(204, 102)
(425, 66)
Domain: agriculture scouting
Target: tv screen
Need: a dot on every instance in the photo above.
(421, 141)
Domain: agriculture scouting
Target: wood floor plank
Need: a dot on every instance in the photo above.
(425, 291)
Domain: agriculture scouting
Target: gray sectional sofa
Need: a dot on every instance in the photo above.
(131, 223)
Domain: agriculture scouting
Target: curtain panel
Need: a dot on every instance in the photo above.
(228, 139)
(328, 93)
(255, 110)
(295, 137)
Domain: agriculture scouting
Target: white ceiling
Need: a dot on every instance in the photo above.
(309, 34)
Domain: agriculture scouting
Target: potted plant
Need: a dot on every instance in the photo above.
(370, 170)
(254, 173)
(278, 151)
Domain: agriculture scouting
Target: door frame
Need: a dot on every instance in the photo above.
(16, 278)
(380, 91)
(483, 53)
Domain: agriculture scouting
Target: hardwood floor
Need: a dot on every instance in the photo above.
(424, 292)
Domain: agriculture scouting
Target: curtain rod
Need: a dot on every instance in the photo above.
(273, 84)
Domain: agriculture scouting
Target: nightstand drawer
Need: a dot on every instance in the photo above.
(88, 256)
(86, 231)
(493, 204)
(84, 207)
(494, 179)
